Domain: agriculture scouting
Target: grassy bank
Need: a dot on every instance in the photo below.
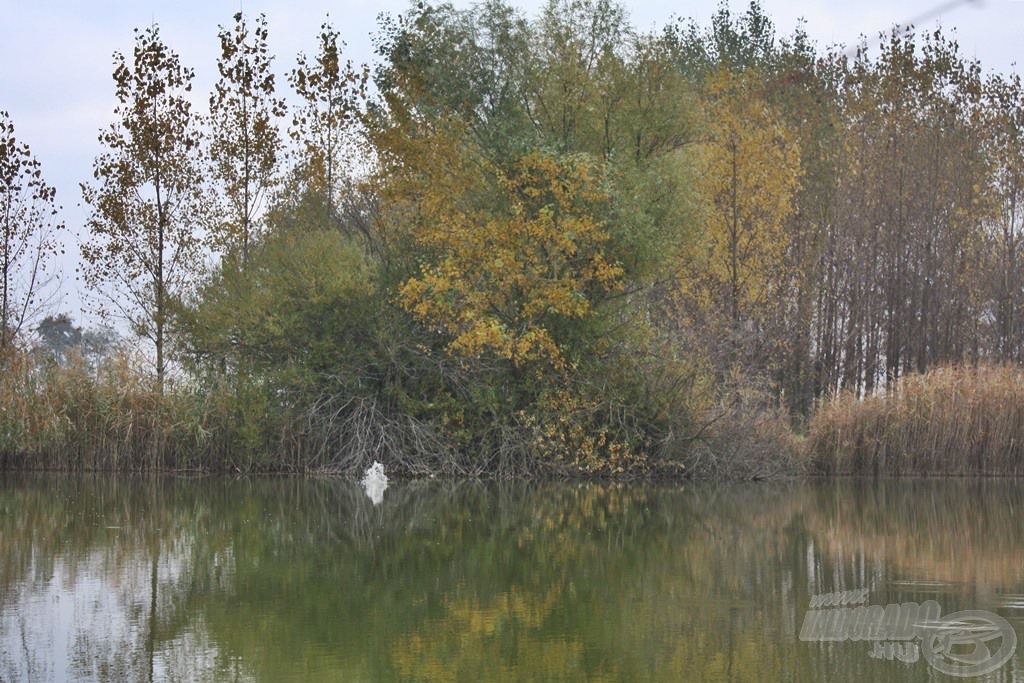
(950, 421)
(111, 418)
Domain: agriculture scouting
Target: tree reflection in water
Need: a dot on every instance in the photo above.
(110, 579)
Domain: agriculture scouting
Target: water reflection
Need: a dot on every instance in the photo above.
(111, 579)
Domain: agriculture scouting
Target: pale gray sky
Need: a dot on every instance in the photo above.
(56, 63)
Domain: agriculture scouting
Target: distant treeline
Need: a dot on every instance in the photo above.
(519, 246)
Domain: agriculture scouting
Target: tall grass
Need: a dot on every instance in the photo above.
(956, 420)
(950, 421)
(72, 417)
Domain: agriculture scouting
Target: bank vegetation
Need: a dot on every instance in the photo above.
(535, 246)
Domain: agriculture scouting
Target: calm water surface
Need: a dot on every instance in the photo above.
(119, 579)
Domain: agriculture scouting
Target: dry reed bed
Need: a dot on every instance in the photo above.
(957, 421)
(950, 421)
(71, 418)
(111, 419)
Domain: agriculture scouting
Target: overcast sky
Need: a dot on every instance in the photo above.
(56, 55)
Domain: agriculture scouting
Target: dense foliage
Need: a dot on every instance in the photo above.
(558, 244)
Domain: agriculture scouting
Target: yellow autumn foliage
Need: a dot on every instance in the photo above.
(750, 173)
(511, 253)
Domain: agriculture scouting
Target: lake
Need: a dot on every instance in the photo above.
(113, 578)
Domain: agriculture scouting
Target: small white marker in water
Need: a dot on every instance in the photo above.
(375, 482)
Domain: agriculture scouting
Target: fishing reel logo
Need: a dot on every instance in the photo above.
(959, 645)
(963, 644)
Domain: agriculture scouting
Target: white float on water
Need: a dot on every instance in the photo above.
(375, 481)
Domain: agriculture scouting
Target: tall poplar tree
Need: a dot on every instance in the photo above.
(323, 124)
(245, 145)
(147, 192)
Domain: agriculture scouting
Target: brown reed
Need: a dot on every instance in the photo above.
(957, 420)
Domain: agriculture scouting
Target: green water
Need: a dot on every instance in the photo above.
(118, 579)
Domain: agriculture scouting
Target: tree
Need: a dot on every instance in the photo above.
(1005, 121)
(751, 170)
(903, 253)
(578, 46)
(59, 335)
(323, 126)
(474, 63)
(28, 225)
(804, 89)
(245, 144)
(148, 192)
(534, 203)
(505, 281)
